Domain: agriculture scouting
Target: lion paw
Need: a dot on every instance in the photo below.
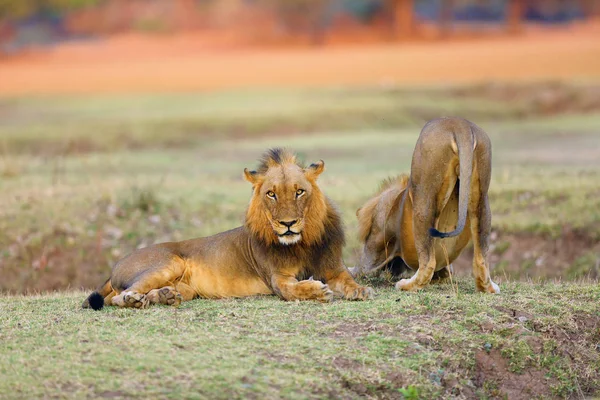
(491, 288)
(169, 296)
(360, 293)
(135, 300)
(166, 295)
(407, 285)
(324, 294)
(314, 290)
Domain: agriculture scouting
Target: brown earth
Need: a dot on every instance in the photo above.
(528, 255)
(492, 368)
(55, 263)
(191, 62)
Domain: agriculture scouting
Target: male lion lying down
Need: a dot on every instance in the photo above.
(446, 191)
(292, 232)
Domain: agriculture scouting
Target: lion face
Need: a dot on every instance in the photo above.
(283, 201)
(285, 193)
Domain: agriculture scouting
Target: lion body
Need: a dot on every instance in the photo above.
(293, 235)
(410, 218)
(377, 224)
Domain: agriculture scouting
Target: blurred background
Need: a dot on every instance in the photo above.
(128, 122)
(42, 22)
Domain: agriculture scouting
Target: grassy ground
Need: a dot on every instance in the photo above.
(86, 180)
(533, 341)
(83, 181)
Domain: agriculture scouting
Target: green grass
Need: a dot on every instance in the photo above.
(84, 181)
(431, 344)
(72, 124)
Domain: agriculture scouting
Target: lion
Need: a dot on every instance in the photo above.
(376, 225)
(411, 214)
(290, 245)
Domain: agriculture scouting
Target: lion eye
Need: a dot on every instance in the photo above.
(271, 194)
(299, 192)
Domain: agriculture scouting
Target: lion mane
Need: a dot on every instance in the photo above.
(382, 202)
(322, 220)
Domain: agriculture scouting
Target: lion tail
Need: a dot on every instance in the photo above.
(465, 142)
(95, 301)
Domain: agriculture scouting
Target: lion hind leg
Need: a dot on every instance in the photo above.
(423, 275)
(131, 299)
(424, 217)
(187, 292)
(172, 296)
(480, 230)
(148, 287)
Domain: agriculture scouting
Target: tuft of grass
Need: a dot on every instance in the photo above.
(519, 355)
(585, 266)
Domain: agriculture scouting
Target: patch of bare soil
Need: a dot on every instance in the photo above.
(81, 256)
(527, 255)
(55, 261)
(576, 340)
(492, 371)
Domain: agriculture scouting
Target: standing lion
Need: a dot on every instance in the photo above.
(292, 234)
(427, 219)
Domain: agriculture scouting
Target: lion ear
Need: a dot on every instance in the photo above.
(251, 176)
(315, 169)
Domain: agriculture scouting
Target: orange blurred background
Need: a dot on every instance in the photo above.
(89, 46)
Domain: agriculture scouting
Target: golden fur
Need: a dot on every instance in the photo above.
(380, 206)
(291, 245)
(377, 228)
(447, 190)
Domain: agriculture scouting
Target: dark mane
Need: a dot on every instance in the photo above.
(277, 156)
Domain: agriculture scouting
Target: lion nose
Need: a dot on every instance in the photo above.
(288, 223)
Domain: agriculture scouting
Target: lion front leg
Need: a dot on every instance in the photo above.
(344, 285)
(289, 288)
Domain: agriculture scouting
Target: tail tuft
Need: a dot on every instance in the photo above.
(435, 233)
(96, 301)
